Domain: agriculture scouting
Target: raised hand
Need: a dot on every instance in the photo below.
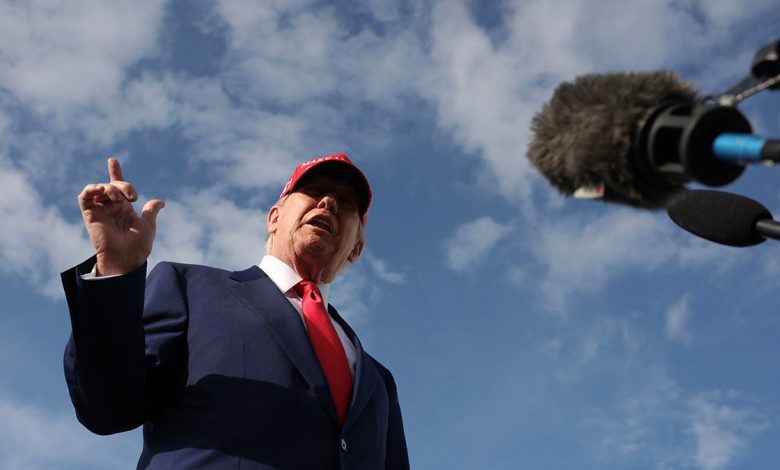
(122, 239)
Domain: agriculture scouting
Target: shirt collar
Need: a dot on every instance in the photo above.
(286, 278)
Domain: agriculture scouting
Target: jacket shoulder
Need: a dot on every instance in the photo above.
(187, 270)
(384, 372)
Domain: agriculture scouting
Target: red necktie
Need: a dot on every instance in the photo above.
(327, 345)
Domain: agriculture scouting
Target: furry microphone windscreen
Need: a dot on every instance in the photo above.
(584, 137)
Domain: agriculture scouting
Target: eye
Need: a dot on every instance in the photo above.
(345, 195)
(313, 190)
(348, 203)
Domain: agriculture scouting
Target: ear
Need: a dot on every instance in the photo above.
(272, 220)
(355, 253)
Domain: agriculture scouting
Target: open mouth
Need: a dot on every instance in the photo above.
(322, 223)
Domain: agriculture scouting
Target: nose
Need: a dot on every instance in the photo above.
(330, 202)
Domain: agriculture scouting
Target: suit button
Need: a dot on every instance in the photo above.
(344, 447)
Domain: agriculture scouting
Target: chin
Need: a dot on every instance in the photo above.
(315, 246)
(316, 252)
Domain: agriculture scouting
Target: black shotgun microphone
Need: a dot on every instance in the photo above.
(725, 218)
(632, 138)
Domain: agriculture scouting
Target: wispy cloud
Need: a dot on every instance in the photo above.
(207, 227)
(382, 271)
(472, 242)
(713, 429)
(581, 254)
(479, 94)
(33, 438)
(67, 80)
(38, 241)
(677, 319)
(581, 348)
(68, 54)
(362, 287)
(329, 58)
(356, 293)
(721, 431)
(631, 428)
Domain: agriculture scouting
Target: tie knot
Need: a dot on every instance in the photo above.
(308, 289)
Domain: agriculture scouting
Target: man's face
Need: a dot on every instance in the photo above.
(315, 228)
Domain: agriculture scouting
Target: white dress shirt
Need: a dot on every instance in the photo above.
(286, 279)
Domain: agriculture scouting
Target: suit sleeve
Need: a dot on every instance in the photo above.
(396, 456)
(121, 362)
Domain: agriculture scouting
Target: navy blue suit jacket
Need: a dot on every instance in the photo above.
(218, 368)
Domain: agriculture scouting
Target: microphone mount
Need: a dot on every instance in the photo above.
(676, 141)
(764, 75)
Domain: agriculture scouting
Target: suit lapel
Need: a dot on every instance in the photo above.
(272, 308)
(366, 375)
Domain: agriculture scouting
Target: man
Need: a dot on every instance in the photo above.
(231, 369)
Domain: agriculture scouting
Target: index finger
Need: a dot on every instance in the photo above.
(114, 170)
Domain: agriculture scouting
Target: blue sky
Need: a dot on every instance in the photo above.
(524, 330)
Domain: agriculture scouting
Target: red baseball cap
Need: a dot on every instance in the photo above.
(338, 165)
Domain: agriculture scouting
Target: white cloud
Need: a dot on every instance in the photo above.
(361, 287)
(472, 242)
(677, 318)
(381, 271)
(283, 52)
(244, 145)
(577, 254)
(64, 79)
(480, 97)
(383, 11)
(721, 432)
(631, 428)
(263, 64)
(33, 438)
(646, 419)
(207, 228)
(146, 102)
(583, 255)
(673, 428)
(37, 241)
(59, 54)
(353, 294)
(593, 344)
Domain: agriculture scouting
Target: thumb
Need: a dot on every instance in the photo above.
(150, 210)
